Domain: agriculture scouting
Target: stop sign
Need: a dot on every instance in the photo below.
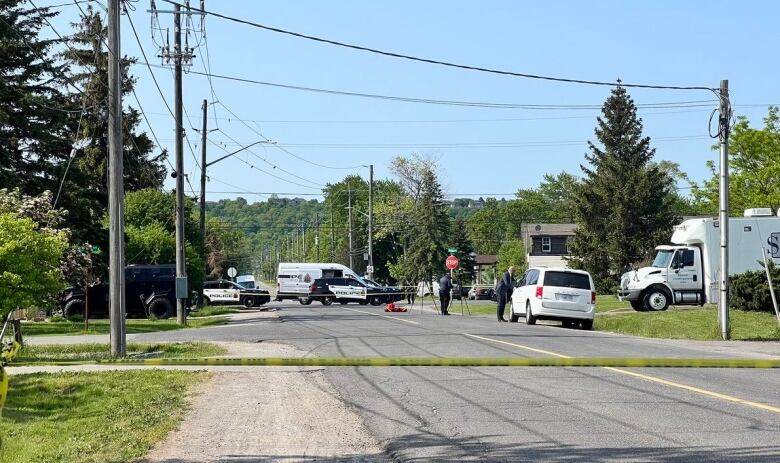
(452, 262)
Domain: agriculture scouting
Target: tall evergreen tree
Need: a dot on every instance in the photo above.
(428, 233)
(459, 239)
(36, 128)
(86, 189)
(624, 205)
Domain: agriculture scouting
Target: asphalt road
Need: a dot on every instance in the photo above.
(528, 414)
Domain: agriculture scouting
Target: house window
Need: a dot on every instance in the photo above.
(546, 244)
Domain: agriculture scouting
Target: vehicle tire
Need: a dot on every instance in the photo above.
(514, 317)
(529, 315)
(375, 300)
(248, 301)
(327, 300)
(74, 307)
(637, 305)
(587, 325)
(656, 300)
(161, 308)
(305, 300)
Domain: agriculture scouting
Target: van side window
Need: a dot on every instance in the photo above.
(533, 277)
(687, 258)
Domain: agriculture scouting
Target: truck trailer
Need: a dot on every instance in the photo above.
(687, 272)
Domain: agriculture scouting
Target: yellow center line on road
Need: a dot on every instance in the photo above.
(652, 379)
(383, 316)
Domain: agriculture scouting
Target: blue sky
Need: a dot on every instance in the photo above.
(662, 42)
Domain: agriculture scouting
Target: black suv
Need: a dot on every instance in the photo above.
(349, 289)
(150, 290)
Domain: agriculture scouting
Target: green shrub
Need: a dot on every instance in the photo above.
(57, 318)
(750, 290)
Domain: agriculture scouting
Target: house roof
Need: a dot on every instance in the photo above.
(485, 259)
(560, 229)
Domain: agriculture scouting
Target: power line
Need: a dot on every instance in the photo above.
(475, 104)
(446, 63)
(509, 144)
(252, 166)
(146, 60)
(284, 149)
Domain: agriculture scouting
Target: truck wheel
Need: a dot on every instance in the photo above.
(74, 307)
(161, 308)
(638, 305)
(656, 300)
(248, 301)
(327, 300)
(514, 317)
(305, 300)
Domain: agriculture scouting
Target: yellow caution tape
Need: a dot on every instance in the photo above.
(429, 362)
(5, 358)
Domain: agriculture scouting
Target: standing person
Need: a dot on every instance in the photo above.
(445, 288)
(411, 294)
(504, 290)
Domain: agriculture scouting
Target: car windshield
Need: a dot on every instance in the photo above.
(662, 259)
(247, 284)
(567, 280)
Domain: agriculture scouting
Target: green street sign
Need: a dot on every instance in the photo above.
(452, 250)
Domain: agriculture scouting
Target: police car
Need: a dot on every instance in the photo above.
(350, 289)
(228, 292)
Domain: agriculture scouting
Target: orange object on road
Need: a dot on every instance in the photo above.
(391, 307)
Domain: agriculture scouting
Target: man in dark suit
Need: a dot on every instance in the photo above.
(504, 290)
(445, 288)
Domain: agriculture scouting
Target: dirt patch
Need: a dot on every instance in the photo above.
(268, 414)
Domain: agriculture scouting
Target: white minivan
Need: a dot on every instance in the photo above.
(555, 294)
(294, 279)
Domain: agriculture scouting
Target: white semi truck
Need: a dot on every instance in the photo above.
(687, 272)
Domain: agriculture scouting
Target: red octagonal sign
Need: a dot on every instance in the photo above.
(452, 262)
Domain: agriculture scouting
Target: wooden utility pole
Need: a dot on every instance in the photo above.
(202, 198)
(181, 262)
(116, 194)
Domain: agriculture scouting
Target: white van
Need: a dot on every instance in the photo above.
(294, 279)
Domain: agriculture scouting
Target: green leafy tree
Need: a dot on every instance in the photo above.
(623, 207)
(511, 254)
(85, 192)
(487, 227)
(36, 129)
(754, 163)
(150, 232)
(30, 274)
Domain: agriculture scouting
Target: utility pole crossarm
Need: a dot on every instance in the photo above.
(209, 164)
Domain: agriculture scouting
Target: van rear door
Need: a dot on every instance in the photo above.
(564, 290)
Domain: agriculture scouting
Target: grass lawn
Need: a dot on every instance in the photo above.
(700, 324)
(91, 417)
(603, 304)
(52, 352)
(102, 326)
(211, 310)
